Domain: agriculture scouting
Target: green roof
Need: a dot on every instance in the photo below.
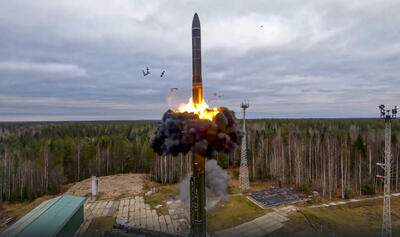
(47, 219)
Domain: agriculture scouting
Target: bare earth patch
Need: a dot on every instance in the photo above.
(112, 187)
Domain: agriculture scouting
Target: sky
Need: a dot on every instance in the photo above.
(83, 59)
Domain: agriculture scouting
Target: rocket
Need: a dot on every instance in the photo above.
(197, 84)
(197, 180)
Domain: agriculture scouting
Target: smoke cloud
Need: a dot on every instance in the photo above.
(182, 132)
(217, 181)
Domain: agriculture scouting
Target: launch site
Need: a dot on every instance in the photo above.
(199, 118)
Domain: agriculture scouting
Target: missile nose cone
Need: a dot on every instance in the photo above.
(196, 21)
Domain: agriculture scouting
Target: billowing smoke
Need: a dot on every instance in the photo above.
(217, 181)
(182, 132)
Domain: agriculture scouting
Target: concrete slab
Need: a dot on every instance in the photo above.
(274, 227)
(279, 217)
(149, 223)
(256, 232)
(113, 209)
(142, 222)
(163, 224)
(170, 227)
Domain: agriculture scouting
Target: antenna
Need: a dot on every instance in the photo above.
(388, 115)
(244, 182)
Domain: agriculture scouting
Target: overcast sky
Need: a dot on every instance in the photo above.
(83, 59)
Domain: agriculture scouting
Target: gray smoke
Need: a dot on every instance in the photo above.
(217, 181)
(182, 132)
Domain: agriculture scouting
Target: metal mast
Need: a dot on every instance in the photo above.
(244, 169)
(386, 212)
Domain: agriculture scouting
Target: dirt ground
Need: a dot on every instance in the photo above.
(110, 187)
(113, 186)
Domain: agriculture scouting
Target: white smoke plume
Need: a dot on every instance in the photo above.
(174, 101)
(217, 181)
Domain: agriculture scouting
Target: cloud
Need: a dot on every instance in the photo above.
(83, 59)
(42, 68)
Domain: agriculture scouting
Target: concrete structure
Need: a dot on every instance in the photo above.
(95, 185)
(260, 226)
(134, 212)
(350, 201)
(275, 196)
(60, 216)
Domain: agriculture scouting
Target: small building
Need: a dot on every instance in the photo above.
(60, 216)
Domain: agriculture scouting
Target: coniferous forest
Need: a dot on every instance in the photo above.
(336, 157)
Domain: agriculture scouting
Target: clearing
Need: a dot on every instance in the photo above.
(112, 186)
(363, 218)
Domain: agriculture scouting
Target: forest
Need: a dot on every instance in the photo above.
(336, 157)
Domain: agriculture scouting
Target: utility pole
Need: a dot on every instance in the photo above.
(244, 183)
(388, 115)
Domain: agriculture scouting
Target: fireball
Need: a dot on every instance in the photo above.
(202, 110)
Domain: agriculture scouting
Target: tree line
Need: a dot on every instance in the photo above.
(38, 158)
(336, 157)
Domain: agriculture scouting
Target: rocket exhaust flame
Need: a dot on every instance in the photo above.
(202, 110)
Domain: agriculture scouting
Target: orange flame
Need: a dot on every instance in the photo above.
(202, 110)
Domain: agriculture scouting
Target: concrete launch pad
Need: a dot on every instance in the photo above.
(275, 196)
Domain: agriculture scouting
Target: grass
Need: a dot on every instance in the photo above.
(162, 194)
(254, 185)
(358, 218)
(234, 211)
(99, 225)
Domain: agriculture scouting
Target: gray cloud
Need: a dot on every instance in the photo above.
(83, 59)
(10, 67)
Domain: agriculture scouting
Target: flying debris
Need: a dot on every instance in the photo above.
(173, 89)
(382, 109)
(147, 72)
(217, 95)
(162, 73)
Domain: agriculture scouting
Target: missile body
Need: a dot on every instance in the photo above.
(197, 84)
(197, 181)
